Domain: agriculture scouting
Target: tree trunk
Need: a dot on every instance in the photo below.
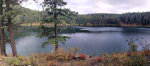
(2, 35)
(55, 27)
(10, 29)
(56, 31)
(56, 46)
(56, 38)
(12, 40)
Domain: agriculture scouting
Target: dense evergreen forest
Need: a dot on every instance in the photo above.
(114, 19)
(97, 19)
(104, 19)
(28, 16)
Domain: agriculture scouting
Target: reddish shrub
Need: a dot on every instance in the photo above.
(131, 53)
(146, 53)
(82, 57)
(99, 58)
(124, 54)
(73, 55)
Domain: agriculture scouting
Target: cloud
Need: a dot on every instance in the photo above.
(34, 5)
(108, 6)
(100, 6)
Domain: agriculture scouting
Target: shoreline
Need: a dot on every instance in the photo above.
(102, 25)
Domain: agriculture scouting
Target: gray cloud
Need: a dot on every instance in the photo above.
(127, 4)
(101, 6)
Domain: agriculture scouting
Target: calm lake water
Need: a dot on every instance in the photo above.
(90, 40)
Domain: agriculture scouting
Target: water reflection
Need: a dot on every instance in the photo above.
(90, 40)
(29, 45)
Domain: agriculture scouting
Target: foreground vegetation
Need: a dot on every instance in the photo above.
(70, 57)
(63, 58)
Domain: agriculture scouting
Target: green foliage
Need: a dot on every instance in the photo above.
(133, 46)
(49, 32)
(60, 39)
(114, 19)
(144, 44)
(28, 16)
(13, 61)
(137, 60)
(139, 41)
(55, 13)
(98, 19)
(24, 60)
(46, 31)
(122, 59)
(73, 50)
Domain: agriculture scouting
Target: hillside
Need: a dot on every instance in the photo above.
(96, 19)
(115, 19)
(28, 16)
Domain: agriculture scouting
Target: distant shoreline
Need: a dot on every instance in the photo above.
(146, 26)
(102, 25)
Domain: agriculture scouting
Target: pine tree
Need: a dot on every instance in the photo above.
(12, 10)
(55, 13)
(2, 34)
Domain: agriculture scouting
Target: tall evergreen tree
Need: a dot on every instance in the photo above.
(2, 34)
(10, 27)
(54, 12)
(11, 12)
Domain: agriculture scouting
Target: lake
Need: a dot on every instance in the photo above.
(91, 40)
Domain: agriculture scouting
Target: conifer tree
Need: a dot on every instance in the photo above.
(2, 33)
(54, 12)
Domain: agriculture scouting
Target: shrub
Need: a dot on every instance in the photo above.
(137, 60)
(60, 55)
(38, 59)
(50, 63)
(133, 46)
(72, 56)
(146, 53)
(26, 61)
(99, 59)
(82, 57)
(13, 61)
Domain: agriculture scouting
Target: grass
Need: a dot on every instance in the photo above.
(46, 24)
(63, 58)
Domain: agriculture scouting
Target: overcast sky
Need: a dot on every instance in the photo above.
(99, 6)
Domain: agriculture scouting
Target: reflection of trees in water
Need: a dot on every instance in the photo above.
(126, 31)
(70, 30)
(134, 31)
(74, 29)
(25, 31)
(112, 38)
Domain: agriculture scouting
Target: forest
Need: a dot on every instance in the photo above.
(28, 16)
(97, 19)
(138, 18)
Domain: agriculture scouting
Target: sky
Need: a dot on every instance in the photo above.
(98, 6)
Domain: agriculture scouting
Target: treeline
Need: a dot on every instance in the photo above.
(28, 16)
(136, 18)
(114, 19)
